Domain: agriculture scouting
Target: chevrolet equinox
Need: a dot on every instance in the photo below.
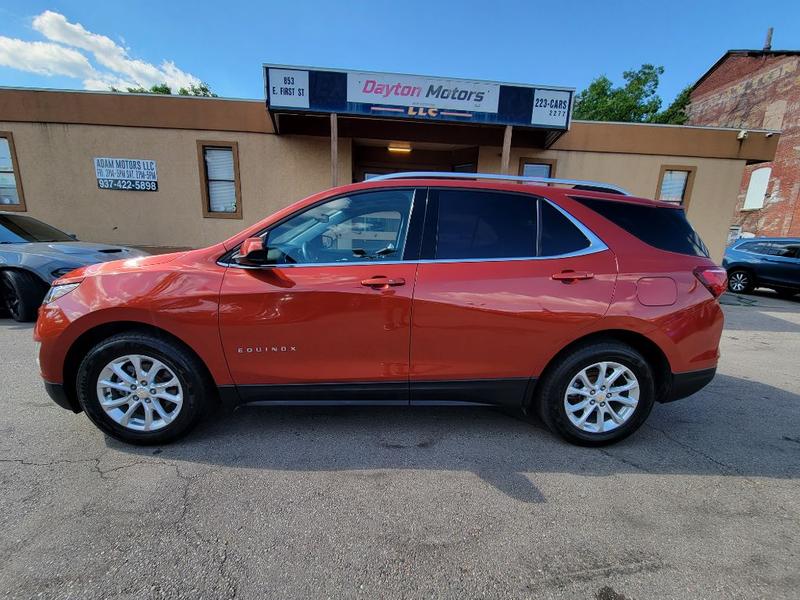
(580, 304)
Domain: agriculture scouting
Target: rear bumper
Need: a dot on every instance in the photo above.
(59, 395)
(686, 384)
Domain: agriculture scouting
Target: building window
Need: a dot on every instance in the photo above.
(11, 197)
(537, 167)
(757, 189)
(675, 184)
(219, 179)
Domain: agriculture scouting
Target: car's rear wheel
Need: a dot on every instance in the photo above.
(142, 389)
(740, 282)
(598, 394)
(21, 294)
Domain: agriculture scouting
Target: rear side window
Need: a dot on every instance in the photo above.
(477, 224)
(559, 235)
(663, 228)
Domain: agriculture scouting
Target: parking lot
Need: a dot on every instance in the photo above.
(383, 502)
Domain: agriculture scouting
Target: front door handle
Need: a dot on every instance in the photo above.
(381, 282)
(567, 276)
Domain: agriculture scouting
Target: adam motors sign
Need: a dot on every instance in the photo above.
(126, 174)
(416, 97)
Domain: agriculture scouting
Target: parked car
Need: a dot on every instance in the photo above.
(580, 306)
(764, 262)
(33, 254)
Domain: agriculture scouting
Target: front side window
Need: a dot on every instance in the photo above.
(219, 179)
(11, 197)
(364, 227)
(477, 224)
(675, 184)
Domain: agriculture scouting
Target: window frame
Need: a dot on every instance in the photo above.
(532, 160)
(687, 190)
(21, 207)
(204, 181)
(420, 244)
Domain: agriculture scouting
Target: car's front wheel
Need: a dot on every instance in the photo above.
(598, 394)
(21, 293)
(740, 282)
(142, 388)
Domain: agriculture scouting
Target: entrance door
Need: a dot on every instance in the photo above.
(335, 309)
(488, 312)
(372, 160)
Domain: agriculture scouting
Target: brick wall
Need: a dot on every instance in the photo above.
(759, 90)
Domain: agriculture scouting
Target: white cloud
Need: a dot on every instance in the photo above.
(61, 56)
(43, 58)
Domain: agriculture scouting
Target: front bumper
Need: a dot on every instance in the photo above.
(686, 384)
(59, 395)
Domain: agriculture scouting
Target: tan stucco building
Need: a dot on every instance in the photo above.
(53, 138)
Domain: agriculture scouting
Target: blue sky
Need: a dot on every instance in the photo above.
(224, 43)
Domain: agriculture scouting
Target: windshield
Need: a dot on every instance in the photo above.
(18, 229)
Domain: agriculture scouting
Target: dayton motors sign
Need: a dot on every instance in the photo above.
(428, 92)
(389, 95)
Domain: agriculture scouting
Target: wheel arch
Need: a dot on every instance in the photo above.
(653, 354)
(94, 335)
(22, 269)
(742, 267)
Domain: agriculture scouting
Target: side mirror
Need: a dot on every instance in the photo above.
(252, 253)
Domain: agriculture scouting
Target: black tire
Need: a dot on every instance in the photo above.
(553, 387)
(22, 294)
(737, 277)
(184, 364)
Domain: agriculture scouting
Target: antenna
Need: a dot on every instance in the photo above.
(768, 41)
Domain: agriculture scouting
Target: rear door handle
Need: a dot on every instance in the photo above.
(381, 282)
(572, 275)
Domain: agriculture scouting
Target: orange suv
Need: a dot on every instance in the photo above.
(580, 304)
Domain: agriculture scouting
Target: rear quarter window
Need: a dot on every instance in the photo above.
(660, 227)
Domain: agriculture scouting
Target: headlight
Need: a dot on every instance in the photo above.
(57, 291)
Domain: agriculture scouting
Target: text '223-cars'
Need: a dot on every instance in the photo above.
(583, 307)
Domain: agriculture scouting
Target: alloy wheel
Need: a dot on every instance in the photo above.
(601, 397)
(139, 392)
(739, 281)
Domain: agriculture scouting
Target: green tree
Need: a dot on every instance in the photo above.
(636, 101)
(200, 89)
(675, 113)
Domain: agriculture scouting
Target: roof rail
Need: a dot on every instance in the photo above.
(586, 184)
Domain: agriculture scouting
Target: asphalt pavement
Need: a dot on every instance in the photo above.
(703, 502)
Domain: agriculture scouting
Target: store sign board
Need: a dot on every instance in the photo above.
(428, 92)
(388, 95)
(126, 174)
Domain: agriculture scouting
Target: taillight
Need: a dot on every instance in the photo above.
(715, 279)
